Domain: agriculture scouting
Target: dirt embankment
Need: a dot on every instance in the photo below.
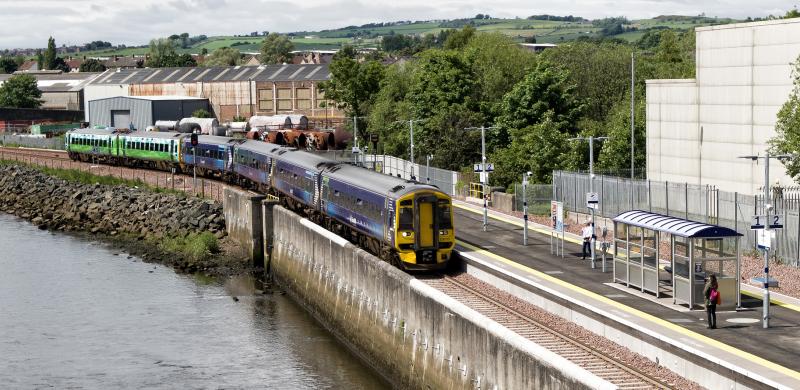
(183, 232)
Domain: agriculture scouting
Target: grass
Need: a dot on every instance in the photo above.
(195, 246)
(81, 177)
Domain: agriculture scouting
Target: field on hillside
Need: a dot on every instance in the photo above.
(545, 31)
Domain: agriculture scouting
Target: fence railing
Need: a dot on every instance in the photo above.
(31, 141)
(704, 203)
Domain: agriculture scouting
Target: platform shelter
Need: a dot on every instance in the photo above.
(670, 256)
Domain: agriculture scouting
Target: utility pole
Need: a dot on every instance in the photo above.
(767, 211)
(411, 133)
(484, 174)
(356, 150)
(591, 140)
(633, 135)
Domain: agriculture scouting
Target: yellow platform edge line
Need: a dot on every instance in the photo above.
(546, 232)
(697, 336)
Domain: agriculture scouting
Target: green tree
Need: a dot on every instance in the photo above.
(276, 49)
(615, 153)
(543, 102)
(160, 49)
(8, 65)
(40, 59)
(600, 70)
(20, 91)
(457, 39)
(353, 84)
(391, 106)
(792, 13)
(60, 64)
(787, 127)
(224, 56)
(49, 56)
(92, 65)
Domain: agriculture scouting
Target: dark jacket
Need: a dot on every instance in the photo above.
(707, 293)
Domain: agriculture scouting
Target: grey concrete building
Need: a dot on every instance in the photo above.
(60, 91)
(697, 127)
(142, 111)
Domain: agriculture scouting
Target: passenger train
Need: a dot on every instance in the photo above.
(406, 223)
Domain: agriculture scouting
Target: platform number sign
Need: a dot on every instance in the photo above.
(760, 221)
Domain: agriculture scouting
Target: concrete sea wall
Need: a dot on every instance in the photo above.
(416, 336)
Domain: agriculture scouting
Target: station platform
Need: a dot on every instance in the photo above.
(768, 357)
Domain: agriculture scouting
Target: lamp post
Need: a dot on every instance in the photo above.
(356, 150)
(767, 209)
(411, 133)
(591, 140)
(428, 168)
(525, 177)
(484, 173)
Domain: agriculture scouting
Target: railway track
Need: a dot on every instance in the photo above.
(34, 153)
(592, 360)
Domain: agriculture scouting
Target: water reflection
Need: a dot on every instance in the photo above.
(74, 314)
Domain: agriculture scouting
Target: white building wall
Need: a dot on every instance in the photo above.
(743, 77)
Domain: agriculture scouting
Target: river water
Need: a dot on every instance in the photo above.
(77, 314)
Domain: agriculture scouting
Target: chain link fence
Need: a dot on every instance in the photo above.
(704, 203)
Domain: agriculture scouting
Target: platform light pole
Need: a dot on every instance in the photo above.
(485, 173)
(428, 168)
(356, 151)
(633, 135)
(525, 177)
(591, 140)
(411, 133)
(767, 209)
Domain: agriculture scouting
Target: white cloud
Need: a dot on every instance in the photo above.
(29, 23)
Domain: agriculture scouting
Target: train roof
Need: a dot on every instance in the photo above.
(375, 181)
(218, 140)
(154, 134)
(306, 160)
(261, 147)
(92, 131)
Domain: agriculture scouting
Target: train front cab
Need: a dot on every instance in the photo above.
(424, 224)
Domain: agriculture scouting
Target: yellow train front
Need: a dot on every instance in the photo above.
(424, 235)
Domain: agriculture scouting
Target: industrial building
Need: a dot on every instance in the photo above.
(142, 111)
(60, 91)
(696, 128)
(235, 91)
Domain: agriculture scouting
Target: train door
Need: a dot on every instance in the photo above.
(426, 221)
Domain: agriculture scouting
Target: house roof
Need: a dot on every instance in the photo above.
(286, 72)
(672, 225)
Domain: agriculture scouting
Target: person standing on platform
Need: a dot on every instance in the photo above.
(711, 293)
(586, 233)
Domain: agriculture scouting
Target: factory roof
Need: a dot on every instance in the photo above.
(156, 97)
(288, 72)
(58, 82)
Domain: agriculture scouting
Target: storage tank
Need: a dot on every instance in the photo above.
(299, 122)
(207, 125)
(272, 122)
(166, 125)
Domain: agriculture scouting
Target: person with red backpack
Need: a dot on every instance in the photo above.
(711, 293)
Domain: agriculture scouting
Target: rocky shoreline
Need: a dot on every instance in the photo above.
(136, 220)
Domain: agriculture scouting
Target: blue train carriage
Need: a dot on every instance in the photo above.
(408, 224)
(151, 149)
(296, 176)
(253, 164)
(99, 145)
(214, 156)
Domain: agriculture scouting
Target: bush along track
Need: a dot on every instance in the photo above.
(183, 232)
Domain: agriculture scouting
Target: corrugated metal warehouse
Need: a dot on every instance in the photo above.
(60, 91)
(142, 111)
(232, 91)
(696, 128)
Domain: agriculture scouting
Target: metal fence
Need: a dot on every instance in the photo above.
(32, 142)
(538, 197)
(704, 203)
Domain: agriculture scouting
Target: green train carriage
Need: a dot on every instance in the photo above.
(151, 149)
(92, 145)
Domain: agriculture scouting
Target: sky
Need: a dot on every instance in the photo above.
(28, 24)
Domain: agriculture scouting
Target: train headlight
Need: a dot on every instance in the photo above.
(442, 232)
(407, 234)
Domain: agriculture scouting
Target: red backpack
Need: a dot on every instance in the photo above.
(713, 296)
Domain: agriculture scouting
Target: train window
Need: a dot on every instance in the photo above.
(444, 217)
(406, 202)
(359, 202)
(405, 219)
(337, 193)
